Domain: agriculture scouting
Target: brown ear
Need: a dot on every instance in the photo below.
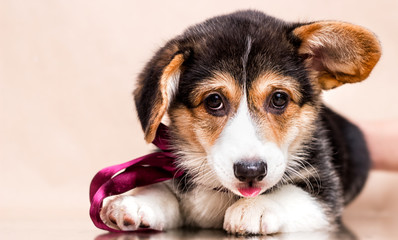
(338, 52)
(157, 85)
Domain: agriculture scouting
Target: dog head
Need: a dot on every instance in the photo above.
(242, 92)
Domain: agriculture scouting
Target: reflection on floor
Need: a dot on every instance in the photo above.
(191, 234)
(361, 227)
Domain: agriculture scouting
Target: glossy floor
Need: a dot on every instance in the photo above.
(358, 227)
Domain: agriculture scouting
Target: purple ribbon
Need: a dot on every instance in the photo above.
(149, 169)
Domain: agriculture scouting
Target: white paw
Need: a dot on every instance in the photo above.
(254, 216)
(129, 213)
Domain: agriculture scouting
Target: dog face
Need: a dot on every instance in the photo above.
(242, 92)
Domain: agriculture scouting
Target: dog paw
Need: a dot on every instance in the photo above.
(253, 216)
(128, 213)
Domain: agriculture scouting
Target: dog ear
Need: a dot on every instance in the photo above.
(338, 52)
(157, 85)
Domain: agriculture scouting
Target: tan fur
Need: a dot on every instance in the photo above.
(338, 52)
(220, 82)
(304, 123)
(192, 137)
(276, 127)
(269, 82)
(207, 128)
(197, 127)
(162, 102)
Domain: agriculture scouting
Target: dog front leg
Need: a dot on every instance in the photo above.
(289, 209)
(153, 206)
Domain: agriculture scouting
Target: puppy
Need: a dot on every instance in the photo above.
(260, 151)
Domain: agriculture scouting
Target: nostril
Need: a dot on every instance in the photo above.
(259, 178)
(242, 179)
(248, 171)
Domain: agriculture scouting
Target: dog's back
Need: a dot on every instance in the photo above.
(349, 153)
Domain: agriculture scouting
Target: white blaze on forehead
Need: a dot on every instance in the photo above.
(241, 140)
(240, 135)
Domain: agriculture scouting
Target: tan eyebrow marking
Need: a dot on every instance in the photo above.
(220, 81)
(270, 81)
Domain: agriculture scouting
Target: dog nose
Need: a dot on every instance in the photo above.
(249, 171)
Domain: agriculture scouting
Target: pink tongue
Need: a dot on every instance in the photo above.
(250, 191)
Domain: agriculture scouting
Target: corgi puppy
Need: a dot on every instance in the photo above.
(261, 153)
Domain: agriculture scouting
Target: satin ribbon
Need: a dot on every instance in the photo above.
(149, 169)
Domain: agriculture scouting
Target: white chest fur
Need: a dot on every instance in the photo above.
(205, 208)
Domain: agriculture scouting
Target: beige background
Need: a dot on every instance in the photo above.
(67, 70)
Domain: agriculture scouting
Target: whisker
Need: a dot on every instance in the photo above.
(299, 168)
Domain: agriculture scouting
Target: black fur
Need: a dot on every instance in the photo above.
(212, 40)
(339, 153)
(337, 150)
(350, 154)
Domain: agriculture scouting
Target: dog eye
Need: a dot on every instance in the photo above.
(278, 102)
(279, 99)
(214, 104)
